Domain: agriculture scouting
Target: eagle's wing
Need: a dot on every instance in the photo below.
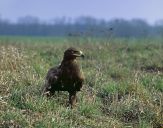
(80, 81)
(51, 78)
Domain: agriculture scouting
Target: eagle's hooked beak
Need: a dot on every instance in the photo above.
(81, 54)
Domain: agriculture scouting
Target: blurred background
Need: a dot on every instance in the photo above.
(100, 18)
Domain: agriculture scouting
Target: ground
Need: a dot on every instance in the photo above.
(123, 86)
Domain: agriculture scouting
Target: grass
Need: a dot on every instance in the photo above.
(123, 85)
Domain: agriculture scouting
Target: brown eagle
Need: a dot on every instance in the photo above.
(65, 77)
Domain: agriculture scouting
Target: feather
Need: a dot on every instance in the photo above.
(66, 77)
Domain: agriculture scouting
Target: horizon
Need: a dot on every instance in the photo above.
(47, 11)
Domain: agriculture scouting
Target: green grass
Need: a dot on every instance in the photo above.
(123, 85)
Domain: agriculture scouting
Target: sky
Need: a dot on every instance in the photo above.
(46, 10)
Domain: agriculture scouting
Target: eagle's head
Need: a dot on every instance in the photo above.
(72, 53)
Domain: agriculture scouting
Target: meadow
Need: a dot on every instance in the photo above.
(123, 83)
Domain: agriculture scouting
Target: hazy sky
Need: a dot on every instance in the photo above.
(150, 10)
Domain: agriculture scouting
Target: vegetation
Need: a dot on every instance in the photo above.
(82, 26)
(123, 86)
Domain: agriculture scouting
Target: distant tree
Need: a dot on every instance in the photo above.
(158, 29)
(82, 26)
(159, 23)
(28, 20)
(86, 20)
(141, 28)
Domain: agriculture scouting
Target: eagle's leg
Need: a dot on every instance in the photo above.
(72, 98)
(48, 92)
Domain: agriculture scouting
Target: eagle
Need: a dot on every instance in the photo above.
(65, 77)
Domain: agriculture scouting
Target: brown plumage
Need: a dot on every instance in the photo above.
(66, 77)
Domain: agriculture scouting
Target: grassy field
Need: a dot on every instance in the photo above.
(123, 86)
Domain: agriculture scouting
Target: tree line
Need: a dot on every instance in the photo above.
(82, 26)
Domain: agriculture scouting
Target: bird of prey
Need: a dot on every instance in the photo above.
(65, 77)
